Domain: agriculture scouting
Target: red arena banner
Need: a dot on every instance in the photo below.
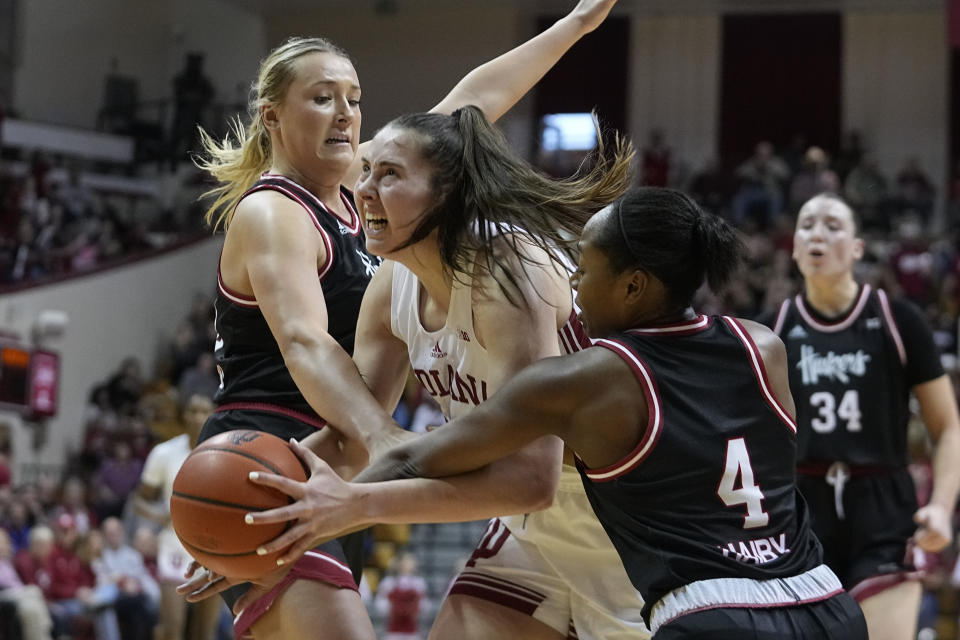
(44, 377)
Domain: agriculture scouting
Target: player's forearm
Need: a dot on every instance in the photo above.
(331, 384)
(497, 85)
(946, 468)
(520, 483)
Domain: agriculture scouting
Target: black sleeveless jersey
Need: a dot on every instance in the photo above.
(248, 358)
(709, 490)
(851, 377)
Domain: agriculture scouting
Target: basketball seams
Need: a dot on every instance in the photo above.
(219, 503)
(250, 456)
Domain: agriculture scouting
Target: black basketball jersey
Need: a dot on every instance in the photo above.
(851, 379)
(709, 491)
(248, 357)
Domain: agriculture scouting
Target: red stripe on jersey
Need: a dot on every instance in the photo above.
(316, 422)
(756, 360)
(892, 325)
(654, 416)
(502, 592)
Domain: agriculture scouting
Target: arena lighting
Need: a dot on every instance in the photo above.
(567, 132)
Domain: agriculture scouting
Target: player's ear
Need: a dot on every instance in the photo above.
(636, 285)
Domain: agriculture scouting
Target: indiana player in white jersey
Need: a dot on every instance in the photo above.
(466, 301)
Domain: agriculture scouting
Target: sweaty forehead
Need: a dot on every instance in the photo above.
(395, 143)
(827, 210)
(324, 66)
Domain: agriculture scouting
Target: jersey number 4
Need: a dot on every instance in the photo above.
(738, 464)
(828, 411)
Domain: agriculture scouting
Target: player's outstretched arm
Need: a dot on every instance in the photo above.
(590, 399)
(498, 84)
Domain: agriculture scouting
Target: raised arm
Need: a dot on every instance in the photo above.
(498, 84)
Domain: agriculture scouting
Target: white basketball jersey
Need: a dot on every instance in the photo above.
(450, 363)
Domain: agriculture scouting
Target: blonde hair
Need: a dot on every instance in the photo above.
(245, 152)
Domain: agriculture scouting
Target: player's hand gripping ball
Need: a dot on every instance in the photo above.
(212, 493)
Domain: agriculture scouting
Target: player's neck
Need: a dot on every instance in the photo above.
(832, 297)
(424, 260)
(325, 187)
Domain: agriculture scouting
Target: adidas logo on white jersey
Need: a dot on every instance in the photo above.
(797, 332)
(437, 352)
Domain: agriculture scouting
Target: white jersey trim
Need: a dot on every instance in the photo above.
(892, 325)
(839, 326)
(814, 585)
(757, 361)
(655, 418)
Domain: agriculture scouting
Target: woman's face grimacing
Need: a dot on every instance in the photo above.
(825, 242)
(395, 188)
(319, 116)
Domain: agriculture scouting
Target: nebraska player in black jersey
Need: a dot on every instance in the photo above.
(854, 357)
(683, 429)
(292, 274)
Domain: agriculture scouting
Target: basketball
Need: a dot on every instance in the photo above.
(212, 493)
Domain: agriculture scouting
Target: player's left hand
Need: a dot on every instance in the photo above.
(935, 530)
(202, 583)
(326, 506)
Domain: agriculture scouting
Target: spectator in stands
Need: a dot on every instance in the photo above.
(28, 600)
(152, 502)
(402, 596)
(710, 188)
(17, 523)
(138, 594)
(192, 93)
(760, 191)
(202, 378)
(865, 188)
(115, 480)
(73, 503)
(849, 155)
(815, 176)
(655, 161)
(125, 386)
(913, 264)
(915, 191)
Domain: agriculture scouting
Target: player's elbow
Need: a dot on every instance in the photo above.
(536, 488)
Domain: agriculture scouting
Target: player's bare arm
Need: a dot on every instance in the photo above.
(382, 361)
(590, 399)
(939, 409)
(285, 252)
(498, 84)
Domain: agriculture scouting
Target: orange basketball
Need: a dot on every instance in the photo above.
(212, 493)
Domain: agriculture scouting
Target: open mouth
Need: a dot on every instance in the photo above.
(376, 224)
(338, 140)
